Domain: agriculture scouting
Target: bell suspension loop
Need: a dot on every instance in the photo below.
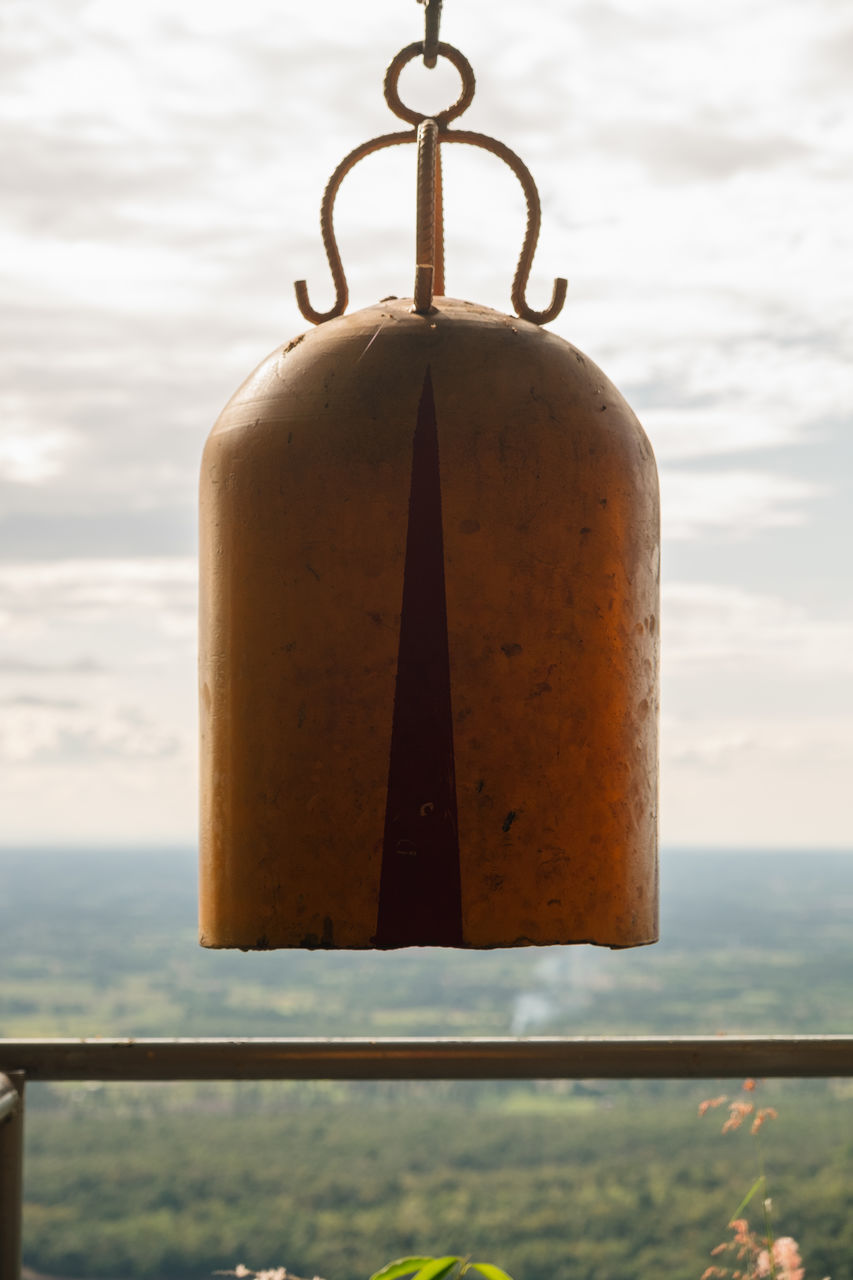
(429, 132)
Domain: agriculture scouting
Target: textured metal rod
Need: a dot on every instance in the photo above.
(425, 240)
(438, 270)
(432, 23)
(11, 1173)
(8, 1098)
(656, 1057)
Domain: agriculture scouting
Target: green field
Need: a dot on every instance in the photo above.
(550, 1180)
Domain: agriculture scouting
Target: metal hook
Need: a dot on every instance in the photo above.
(430, 132)
(327, 229)
(531, 235)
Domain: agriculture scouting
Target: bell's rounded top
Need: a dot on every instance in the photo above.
(390, 345)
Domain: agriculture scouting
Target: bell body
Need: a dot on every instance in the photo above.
(429, 644)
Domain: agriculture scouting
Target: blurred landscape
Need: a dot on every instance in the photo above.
(550, 1180)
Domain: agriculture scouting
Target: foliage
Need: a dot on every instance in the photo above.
(105, 944)
(752, 1254)
(174, 1182)
(414, 1268)
(560, 1180)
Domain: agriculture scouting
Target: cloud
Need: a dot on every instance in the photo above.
(738, 780)
(708, 745)
(828, 67)
(169, 165)
(91, 274)
(96, 591)
(707, 627)
(731, 504)
(34, 701)
(686, 431)
(697, 151)
(36, 532)
(32, 457)
(16, 664)
(38, 731)
(124, 629)
(156, 226)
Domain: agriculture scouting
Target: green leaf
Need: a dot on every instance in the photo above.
(490, 1271)
(759, 1182)
(401, 1267)
(435, 1268)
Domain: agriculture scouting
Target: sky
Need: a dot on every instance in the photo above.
(165, 162)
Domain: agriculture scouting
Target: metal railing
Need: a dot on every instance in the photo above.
(535, 1058)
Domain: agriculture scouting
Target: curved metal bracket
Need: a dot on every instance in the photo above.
(437, 132)
(531, 235)
(327, 229)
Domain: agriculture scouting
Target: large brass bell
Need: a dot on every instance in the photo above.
(429, 606)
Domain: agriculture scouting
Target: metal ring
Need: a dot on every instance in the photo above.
(442, 118)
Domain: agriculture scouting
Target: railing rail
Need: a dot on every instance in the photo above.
(535, 1058)
(542, 1057)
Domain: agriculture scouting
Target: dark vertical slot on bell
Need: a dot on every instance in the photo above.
(420, 897)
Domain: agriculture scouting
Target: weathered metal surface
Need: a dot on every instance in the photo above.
(655, 1057)
(8, 1098)
(11, 1172)
(549, 537)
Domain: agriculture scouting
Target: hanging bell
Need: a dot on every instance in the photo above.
(429, 602)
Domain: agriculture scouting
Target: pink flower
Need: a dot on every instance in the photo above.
(786, 1255)
(738, 1111)
(787, 1263)
(766, 1113)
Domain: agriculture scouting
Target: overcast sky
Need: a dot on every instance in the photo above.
(165, 162)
